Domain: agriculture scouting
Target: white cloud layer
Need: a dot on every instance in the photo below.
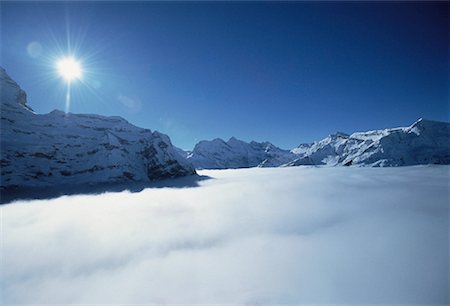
(292, 235)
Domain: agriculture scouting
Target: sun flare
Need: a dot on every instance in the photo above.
(69, 68)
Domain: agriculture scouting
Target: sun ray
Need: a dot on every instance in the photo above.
(67, 108)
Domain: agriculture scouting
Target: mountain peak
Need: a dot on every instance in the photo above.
(11, 93)
(339, 135)
(218, 140)
(233, 141)
(422, 122)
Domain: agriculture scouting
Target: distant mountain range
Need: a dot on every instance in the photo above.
(424, 142)
(218, 154)
(58, 149)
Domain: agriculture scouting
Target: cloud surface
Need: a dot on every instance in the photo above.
(253, 236)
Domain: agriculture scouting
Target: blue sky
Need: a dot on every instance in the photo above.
(287, 72)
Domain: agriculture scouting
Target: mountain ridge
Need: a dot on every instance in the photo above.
(55, 149)
(48, 150)
(423, 142)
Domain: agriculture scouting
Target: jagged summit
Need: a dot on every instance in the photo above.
(77, 149)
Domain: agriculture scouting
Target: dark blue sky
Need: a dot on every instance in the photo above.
(287, 72)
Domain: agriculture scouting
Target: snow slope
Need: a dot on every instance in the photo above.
(218, 154)
(424, 142)
(261, 236)
(74, 149)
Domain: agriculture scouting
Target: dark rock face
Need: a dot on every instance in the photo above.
(39, 151)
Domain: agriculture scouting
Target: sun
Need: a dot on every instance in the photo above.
(69, 68)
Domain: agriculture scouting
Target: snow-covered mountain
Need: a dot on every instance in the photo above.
(218, 154)
(75, 149)
(424, 142)
(59, 149)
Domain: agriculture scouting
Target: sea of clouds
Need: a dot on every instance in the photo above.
(253, 236)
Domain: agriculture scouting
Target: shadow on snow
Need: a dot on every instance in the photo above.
(49, 192)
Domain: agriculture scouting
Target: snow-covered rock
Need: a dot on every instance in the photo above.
(76, 149)
(424, 142)
(218, 154)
